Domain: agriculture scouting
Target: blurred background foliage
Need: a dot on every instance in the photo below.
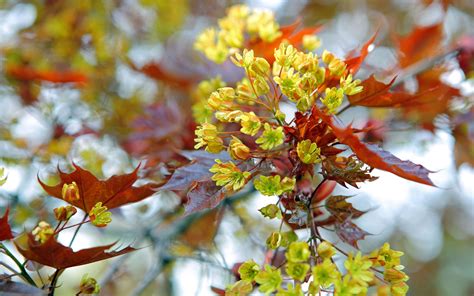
(110, 83)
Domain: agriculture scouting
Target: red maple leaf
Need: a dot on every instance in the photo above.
(113, 192)
(5, 230)
(52, 253)
(375, 156)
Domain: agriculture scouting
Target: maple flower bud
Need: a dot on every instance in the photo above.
(358, 267)
(244, 60)
(271, 211)
(99, 215)
(238, 150)
(298, 252)
(228, 175)
(326, 250)
(222, 99)
(327, 57)
(325, 274)
(43, 232)
(350, 87)
(273, 185)
(333, 99)
(207, 136)
(88, 285)
(64, 213)
(274, 240)
(245, 93)
(306, 63)
(70, 192)
(248, 270)
(385, 256)
(261, 86)
(270, 137)
(288, 81)
(308, 152)
(260, 66)
(285, 54)
(395, 275)
(311, 42)
(304, 103)
(250, 123)
(297, 271)
(269, 279)
(399, 289)
(320, 75)
(337, 67)
(228, 116)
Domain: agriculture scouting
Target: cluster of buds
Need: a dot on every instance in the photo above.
(99, 215)
(218, 44)
(323, 276)
(70, 192)
(254, 104)
(245, 119)
(42, 232)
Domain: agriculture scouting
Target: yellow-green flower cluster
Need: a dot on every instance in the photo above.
(99, 215)
(42, 232)
(227, 174)
(274, 185)
(271, 137)
(202, 112)
(298, 75)
(218, 44)
(333, 99)
(89, 285)
(308, 152)
(324, 274)
(207, 136)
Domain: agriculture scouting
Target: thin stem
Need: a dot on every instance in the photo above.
(52, 287)
(24, 273)
(77, 229)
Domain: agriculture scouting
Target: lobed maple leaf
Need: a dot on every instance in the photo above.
(338, 206)
(204, 195)
(375, 156)
(113, 192)
(421, 43)
(5, 229)
(52, 253)
(349, 232)
(354, 63)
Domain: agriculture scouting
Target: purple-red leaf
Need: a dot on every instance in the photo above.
(375, 156)
(197, 170)
(52, 253)
(350, 233)
(5, 230)
(204, 195)
(113, 192)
